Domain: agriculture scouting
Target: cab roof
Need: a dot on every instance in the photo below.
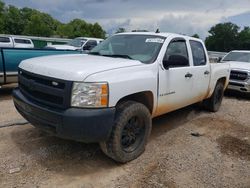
(159, 34)
(89, 38)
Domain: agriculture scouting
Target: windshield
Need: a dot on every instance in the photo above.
(238, 56)
(144, 48)
(77, 42)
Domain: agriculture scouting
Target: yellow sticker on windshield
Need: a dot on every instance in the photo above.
(155, 40)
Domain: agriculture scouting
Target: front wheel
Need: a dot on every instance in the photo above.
(130, 132)
(214, 102)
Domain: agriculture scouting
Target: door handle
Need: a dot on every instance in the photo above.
(188, 75)
(206, 72)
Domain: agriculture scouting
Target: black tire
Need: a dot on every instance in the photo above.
(130, 132)
(214, 102)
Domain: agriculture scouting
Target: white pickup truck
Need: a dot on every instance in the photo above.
(110, 95)
(79, 43)
(239, 61)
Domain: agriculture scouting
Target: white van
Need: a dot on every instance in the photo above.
(15, 42)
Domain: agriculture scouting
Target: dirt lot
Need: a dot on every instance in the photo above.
(220, 157)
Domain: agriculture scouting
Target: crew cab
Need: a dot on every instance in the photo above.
(79, 43)
(239, 61)
(110, 95)
(15, 42)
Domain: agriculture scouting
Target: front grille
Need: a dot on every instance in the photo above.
(45, 90)
(238, 75)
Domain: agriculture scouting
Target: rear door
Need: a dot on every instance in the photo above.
(175, 82)
(201, 70)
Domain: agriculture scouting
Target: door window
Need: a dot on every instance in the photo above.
(199, 57)
(4, 40)
(176, 54)
(22, 41)
(90, 45)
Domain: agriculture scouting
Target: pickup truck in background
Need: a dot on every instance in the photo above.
(10, 58)
(110, 95)
(240, 70)
(79, 43)
(15, 42)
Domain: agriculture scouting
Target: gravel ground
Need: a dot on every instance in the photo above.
(219, 157)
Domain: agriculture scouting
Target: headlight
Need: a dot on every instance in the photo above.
(89, 95)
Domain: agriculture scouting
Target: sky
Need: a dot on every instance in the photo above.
(179, 16)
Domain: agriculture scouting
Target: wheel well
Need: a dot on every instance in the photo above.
(145, 97)
(222, 80)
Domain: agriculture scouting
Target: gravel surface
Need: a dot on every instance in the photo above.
(218, 156)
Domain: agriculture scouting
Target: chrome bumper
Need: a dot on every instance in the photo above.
(243, 87)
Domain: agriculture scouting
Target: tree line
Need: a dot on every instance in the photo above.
(27, 21)
(225, 37)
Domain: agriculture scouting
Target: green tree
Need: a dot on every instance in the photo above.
(13, 22)
(120, 30)
(1, 17)
(39, 25)
(78, 27)
(64, 30)
(26, 13)
(244, 39)
(196, 36)
(97, 31)
(29, 21)
(223, 37)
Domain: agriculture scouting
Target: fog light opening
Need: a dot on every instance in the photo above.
(243, 89)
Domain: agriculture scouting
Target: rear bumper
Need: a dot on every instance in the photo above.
(85, 125)
(243, 87)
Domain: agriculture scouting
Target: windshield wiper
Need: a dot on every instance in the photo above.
(119, 55)
(109, 55)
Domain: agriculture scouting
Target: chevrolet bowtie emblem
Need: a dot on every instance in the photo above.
(55, 83)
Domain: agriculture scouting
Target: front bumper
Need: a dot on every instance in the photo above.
(243, 87)
(85, 125)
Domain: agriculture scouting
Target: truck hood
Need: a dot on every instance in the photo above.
(64, 47)
(74, 67)
(239, 65)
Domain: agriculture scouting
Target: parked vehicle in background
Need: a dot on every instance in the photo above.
(79, 43)
(15, 42)
(240, 70)
(215, 57)
(10, 58)
(111, 94)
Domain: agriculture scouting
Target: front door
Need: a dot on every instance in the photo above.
(175, 81)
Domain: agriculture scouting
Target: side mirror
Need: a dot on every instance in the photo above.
(87, 47)
(175, 61)
(219, 59)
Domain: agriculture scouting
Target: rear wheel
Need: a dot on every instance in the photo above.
(130, 133)
(214, 102)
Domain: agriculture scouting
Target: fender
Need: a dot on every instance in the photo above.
(121, 84)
